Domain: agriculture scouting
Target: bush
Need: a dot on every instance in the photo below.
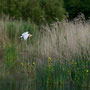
(53, 9)
(74, 7)
(36, 10)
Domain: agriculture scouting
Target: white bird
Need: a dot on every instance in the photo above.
(26, 35)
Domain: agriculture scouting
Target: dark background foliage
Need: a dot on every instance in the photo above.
(73, 7)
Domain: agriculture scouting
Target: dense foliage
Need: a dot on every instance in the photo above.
(36, 10)
(74, 7)
(44, 10)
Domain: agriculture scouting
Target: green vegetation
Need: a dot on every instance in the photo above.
(58, 53)
(74, 7)
(35, 10)
(10, 56)
(76, 72)
(54, 55)
(41, 11)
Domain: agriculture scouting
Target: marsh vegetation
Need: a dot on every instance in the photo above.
(56, 54)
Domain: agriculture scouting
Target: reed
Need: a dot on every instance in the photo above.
(67, 43)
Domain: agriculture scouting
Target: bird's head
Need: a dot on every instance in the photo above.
(30, 35)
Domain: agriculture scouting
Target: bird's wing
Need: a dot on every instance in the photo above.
(24, 33)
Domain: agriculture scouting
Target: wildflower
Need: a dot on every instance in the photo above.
(49, 58)
(22, 64)
(33, 63)
(87, 71)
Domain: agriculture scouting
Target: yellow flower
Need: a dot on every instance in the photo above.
(87, 71)
(49, 58)
(33, 63)
(22, 64)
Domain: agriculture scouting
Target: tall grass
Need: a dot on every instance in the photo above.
(67, 43)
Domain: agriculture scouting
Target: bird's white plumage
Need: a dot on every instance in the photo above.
(25, 33)
(26, 36)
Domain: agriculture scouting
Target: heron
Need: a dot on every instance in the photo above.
(26, 35)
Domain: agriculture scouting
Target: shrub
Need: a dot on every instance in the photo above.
(36, 10)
